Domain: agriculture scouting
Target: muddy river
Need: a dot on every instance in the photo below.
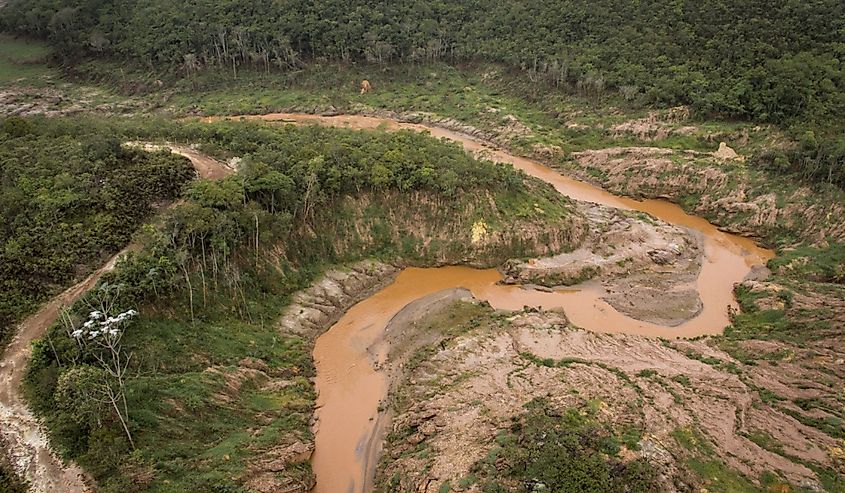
(351, 389)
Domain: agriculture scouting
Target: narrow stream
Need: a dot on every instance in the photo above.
(351, 389)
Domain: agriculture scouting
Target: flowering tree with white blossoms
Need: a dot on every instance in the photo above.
(100, 337)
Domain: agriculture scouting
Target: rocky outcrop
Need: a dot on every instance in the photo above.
(646, 266)
(726, 153)
(656, 125)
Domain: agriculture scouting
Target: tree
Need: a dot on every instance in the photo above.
(100, 338)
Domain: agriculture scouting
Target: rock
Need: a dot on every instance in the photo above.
(268, 482)
(415, 439)
(331, 111)
(295, 453)
(299, 452)
(653, 452)
(725, 153)
(255, 364)
(428, 428)
(809, 484)
(758, 273)
(537, 287)
(662, 257)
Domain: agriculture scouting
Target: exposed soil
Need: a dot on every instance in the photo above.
(728, 260)
(460, 397)
(351, 360)
(738, 205)
(351, 387)
(647, 268)
(206, 166)
(312, 311)
(657, 125)
(477, 233)
(52, 102)
(25, 439)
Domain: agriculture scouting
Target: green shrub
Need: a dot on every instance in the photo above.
(549, 450)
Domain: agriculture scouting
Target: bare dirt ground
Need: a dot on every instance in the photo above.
(315, 309)
(654, 172)
(402, 337)
(647, 267)
(469, 389)
(206, 166)
(54, 101)
(657, 125)
(24, 438)
(456, 401)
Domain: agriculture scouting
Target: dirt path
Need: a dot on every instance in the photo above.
(24, 439)
(206, 166)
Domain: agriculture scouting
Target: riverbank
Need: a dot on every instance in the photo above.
(791, 317)
(200, 351)
(696, 415)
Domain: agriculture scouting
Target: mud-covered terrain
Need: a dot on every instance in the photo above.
(691, 406)
(737, 201)
(59, 101)
(317, 308)
(647, 267)
(749, 409)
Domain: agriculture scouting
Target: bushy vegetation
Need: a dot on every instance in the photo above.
(560, 451)
(215, 274)
(68, 200)
(814, 160)
(812, 272)
(814, 264)
(771, 62)
(293, 189)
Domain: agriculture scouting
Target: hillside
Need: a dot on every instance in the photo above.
(208, 276)
(471, 246)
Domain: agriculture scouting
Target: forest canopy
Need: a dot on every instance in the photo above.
(768, 61)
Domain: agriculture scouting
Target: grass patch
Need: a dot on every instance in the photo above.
(549, 449)
(23, 62)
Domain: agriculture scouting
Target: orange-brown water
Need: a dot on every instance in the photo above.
(351, 389)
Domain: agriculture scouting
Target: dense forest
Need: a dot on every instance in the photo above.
(768, 61)
(67, 201)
